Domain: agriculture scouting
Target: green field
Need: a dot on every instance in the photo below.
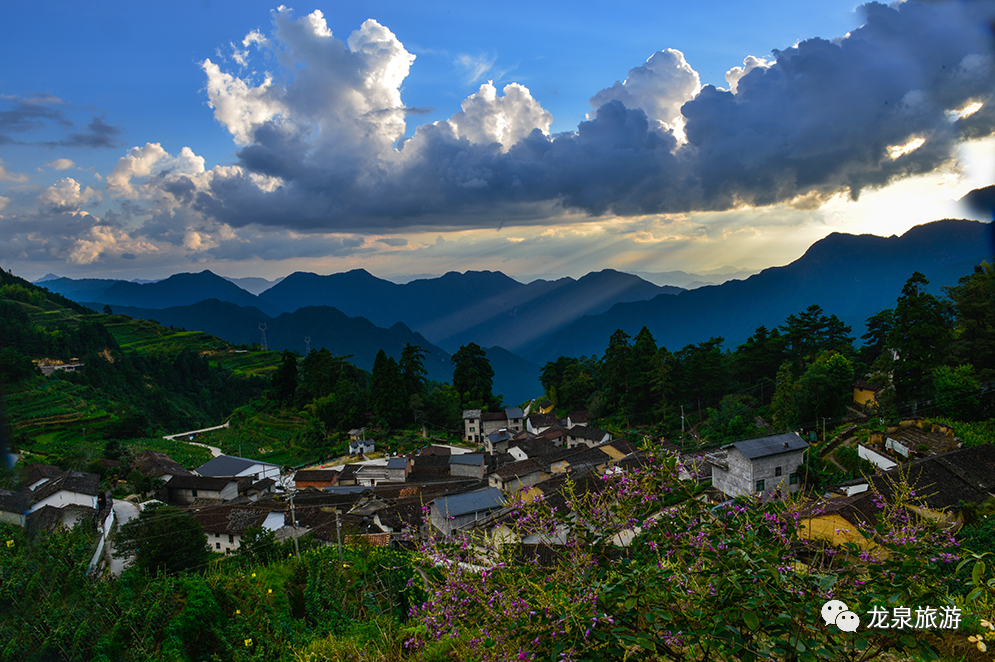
(280, 437)
(135, 335)
(52, 410)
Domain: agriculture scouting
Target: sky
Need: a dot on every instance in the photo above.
(139, 140)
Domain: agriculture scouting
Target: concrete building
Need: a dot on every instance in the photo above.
(759, 467)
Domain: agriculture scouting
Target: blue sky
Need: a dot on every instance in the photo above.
(142, 139)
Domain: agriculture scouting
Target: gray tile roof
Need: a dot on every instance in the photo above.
(72, 481)
(471, 413)
(397, 463)
(514, 412)
(766, 446)
(470, 502)
(347, 489)
(14, 502)
(472, 459)
(228, 465)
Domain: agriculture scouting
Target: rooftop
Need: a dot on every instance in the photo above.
(470, 502)
(229, 465)
(766, 446)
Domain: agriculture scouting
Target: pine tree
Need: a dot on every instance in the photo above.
(473, 378)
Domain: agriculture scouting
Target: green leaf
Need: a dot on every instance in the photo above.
(977, 572)
(752, 620)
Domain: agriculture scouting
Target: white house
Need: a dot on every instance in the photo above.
(226, 524)
(73, 496)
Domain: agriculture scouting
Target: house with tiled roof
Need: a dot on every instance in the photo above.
(468, 465)
(539, 423)
(225, 525)
(229, 465)
(184, 490)
(36, 474)
(764, 466)
(478, 424)
(14, 507)
(316, 478)
(580, 435)
(518, 475)
(457, 512)
(65, 500)
(153, 464)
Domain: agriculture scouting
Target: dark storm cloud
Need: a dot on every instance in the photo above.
(823, 117)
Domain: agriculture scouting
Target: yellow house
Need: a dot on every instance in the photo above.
(864, 393)
(840, 521)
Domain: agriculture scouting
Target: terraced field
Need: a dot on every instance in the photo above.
(134, 335)
(53, 414)
(248, 363)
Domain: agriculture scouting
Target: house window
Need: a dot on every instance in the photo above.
(793, 479)
(760, 486)
(217, 545)
(217, 535)
(777, 471)
(471, 429)
(231, 539)
(194, 493)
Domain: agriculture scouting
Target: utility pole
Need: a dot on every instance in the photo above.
(338, 533)
(293, 512)
(682, 427)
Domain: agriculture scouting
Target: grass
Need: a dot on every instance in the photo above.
(279, 437)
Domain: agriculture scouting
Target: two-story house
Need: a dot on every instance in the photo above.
(760, 467)
(477, 424)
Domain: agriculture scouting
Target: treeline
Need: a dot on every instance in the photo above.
(341, 396)
(928, 355)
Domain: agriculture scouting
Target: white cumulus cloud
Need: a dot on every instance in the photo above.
(66, 195)
(487, 117)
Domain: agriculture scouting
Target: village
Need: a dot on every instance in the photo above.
(506, 458)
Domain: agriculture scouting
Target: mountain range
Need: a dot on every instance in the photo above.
(853, 276)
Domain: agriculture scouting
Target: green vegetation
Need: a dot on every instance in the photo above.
(692, 585)
(140, 378)
(929, 356)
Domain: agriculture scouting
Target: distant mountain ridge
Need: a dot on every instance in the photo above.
(515, 378)
(485, 307)
(181, 289)
(852, 276)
